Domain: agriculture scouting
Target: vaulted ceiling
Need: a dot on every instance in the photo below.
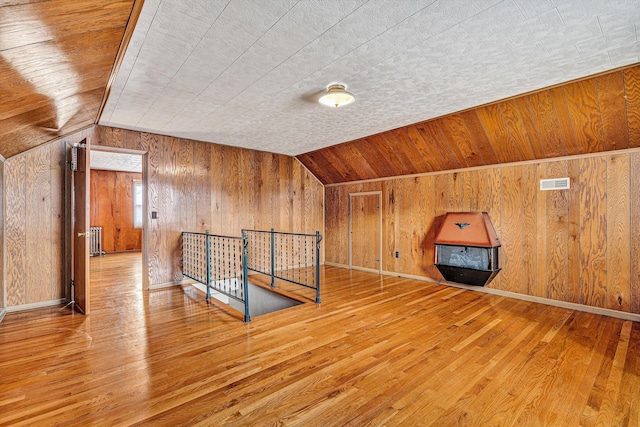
(248, 73)
(55, 60)
(587, 116)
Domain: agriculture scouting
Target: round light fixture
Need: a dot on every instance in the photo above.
(337, 96)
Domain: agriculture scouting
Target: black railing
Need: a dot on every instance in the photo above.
(219, 263)
(293, 257)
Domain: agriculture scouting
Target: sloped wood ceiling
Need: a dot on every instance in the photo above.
(55, 60)
(596, 114)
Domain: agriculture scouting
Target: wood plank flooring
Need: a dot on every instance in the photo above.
(378, 351)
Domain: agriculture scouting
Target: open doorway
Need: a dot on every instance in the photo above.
(117, 210)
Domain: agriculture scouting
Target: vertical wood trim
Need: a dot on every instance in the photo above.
(3, 294)
(349, 240)
(634, 169)
(204, 192)
(494, 208)
(380, 253)
(632, 96)
(573, 250)
(593, 231)
(512, 230)
(558, 235)
(618, 235)
(15, 231)
(388, 227)
(529, 244)
(541, 243)
(58, 170)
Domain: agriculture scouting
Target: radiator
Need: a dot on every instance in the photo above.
(96, 241)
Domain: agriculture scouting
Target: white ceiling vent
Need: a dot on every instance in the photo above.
(554, 184)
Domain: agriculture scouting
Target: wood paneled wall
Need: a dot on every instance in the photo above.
(36, 240)
(580, 245)
(195, 186)
(112, 209)
(2, 292)
(592, 115)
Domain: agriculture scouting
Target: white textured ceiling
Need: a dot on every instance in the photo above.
(247, 73)
(110, 161)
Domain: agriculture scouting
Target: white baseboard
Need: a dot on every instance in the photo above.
(562, 304)
(3, 313)
(156, 286)
(335, 264)
(35, 305)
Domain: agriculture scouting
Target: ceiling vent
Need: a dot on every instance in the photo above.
(554, 184)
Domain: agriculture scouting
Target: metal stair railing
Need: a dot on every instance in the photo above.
(292, 257)
(218, 262)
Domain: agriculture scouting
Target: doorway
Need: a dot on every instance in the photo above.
(118, 206)
(365, 231)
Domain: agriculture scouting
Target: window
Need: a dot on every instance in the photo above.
(137, 203)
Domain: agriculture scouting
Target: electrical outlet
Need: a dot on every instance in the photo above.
(397, 254)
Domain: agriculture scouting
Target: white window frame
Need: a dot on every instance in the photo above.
(137, 207)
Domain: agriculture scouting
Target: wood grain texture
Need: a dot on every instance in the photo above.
(16, 229)
(38, 222)
(168, 358)
(542, 289)
(612, 107)
(512, 236)
(530, 196)
(635, 232)
(564, 120)
(192, 184)
(56, 59)
(632, 93)
(2, 234)
(59, 258)
(618, 235)
(112, 209)
(388, 224)
(80, 208)
(587, 116)
(573, 245)
(365, 231)
(557, 236)
(496, 129)
(494, 208)
(555, 244)
(584, 113)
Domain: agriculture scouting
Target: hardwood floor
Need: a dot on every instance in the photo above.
(378, 351)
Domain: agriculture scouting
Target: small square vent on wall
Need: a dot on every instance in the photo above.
(555, 184)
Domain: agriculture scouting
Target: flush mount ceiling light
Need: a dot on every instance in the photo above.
(337, 96)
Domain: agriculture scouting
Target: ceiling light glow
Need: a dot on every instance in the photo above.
(337, 96)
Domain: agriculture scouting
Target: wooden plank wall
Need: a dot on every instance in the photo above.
(112, 209)
(36, 244)
(2, 302)
(579, 245)
(198, 186)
